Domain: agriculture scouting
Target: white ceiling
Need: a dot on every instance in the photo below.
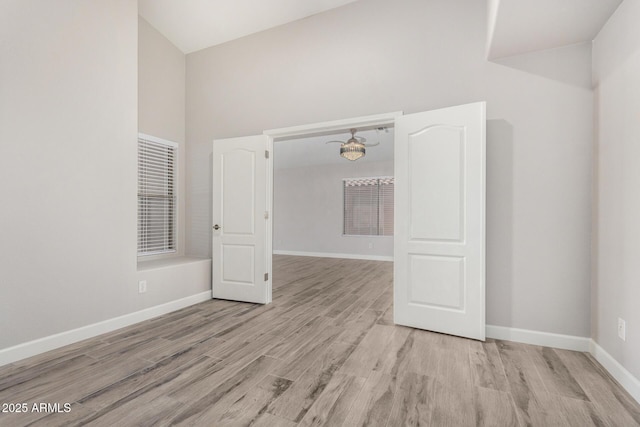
(196, 24)
(515, 26)
(314, 151)
(520, 26)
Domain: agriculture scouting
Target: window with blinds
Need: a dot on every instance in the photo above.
(368, 206)
(156, 195)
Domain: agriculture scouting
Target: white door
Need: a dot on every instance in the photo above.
(439, 271)
(241, 232)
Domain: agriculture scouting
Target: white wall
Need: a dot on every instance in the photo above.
(539, 154)
(308, 209)
(68, 157)
(68, 126)
(616, 276)
(161, 103)
(161, 113)
(375, 56)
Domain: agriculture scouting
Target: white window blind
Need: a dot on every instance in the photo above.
(368, 206)
(156, 195)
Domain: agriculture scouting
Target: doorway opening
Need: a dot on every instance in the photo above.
(318, 211)
(439, 234)
(327, 206)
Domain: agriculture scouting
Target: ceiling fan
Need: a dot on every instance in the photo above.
(354, 147)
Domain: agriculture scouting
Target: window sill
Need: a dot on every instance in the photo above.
(366, 235)
(169, 262)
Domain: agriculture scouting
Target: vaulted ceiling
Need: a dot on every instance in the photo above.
(514, 26)
(196, 24)
(521, 26)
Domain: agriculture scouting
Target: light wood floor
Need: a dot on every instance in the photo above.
(324, 353)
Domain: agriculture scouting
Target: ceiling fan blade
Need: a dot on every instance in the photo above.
(372, 145)
(360, 138)
(331, 142)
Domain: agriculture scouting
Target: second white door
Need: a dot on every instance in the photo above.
(439, 244)
(241, 252)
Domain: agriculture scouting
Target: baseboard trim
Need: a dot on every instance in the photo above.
(41, 345)
(336, 255)
(570, 342)
(617, 371)
(546, 339)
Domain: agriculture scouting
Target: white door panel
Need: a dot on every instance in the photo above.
(240, 256)
(238, 203)
(439, 272)
(436, 193)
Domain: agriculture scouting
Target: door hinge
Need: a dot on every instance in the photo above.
(266, 276)
(266, 214)
(266, 154)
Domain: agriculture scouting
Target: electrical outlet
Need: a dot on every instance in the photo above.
(142, 286)
(622, 329)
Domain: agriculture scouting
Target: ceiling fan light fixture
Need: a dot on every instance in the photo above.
(352, 150)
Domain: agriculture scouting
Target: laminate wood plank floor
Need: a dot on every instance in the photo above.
(325, 352)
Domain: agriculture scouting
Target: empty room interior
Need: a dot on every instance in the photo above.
(329, 212)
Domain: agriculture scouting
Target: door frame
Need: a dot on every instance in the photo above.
(312, 129)
(317, 129)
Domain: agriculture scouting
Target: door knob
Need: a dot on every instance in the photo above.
(216, 227)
